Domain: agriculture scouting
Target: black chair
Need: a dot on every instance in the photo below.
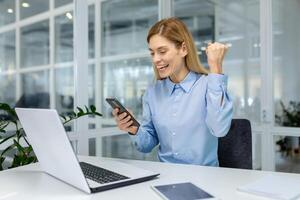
(235, 149)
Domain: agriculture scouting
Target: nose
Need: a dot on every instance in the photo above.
(156, 59)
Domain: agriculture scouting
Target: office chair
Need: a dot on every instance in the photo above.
(235, 149)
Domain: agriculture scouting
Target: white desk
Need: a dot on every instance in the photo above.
(29, 182)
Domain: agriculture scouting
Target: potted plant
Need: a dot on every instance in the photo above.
(14, 147)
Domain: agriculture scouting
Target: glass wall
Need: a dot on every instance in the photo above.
(127, 80)
(235, 23)
(64, 37)
(7, 51)
(7, 12)
(125, 25)
(30, 8)
(8, 88)
(28, 62)
(35, 44)
(128, 69)
(58, 3)
(34, 90)
(200, 19)
(286, 51)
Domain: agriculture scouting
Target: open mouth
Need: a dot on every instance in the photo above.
(161, 68)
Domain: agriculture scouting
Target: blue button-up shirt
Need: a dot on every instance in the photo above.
(185, 119)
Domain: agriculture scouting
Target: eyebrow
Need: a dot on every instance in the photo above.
(159, 48)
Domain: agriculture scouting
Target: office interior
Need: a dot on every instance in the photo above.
(41, 67)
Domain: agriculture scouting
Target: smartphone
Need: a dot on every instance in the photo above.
(114, 103)
(182, 191)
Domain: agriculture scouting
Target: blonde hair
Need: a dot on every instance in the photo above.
(176, 31)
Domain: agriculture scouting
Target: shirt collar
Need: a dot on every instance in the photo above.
(186, 84)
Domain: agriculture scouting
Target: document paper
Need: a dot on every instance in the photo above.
(274, 187)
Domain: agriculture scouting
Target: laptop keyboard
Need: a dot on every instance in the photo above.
(99, 174)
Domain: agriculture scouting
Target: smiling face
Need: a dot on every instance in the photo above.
(168, 59)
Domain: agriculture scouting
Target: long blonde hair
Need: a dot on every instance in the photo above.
(176, 31)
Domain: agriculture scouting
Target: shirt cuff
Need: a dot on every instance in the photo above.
(217, 82)
(134, 138)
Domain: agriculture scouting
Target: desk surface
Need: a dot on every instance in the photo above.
(29, 182)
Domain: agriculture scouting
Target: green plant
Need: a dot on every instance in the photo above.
(290, 117)
(12, 135)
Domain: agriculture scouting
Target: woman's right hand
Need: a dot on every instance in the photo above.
(124, 121)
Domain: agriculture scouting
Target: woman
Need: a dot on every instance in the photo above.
(188, 108)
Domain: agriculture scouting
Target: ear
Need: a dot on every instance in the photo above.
(183, 50)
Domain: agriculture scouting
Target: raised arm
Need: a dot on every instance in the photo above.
(219, 104)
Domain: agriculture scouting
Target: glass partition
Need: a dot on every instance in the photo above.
(35, 44)
(8, 89)
(64, 89)
(287, 154)
(34, 90)
(121, 146)
(64, 37)
(126, 80)
(58, 3)
(286, 51)
(200, 19)
(29, 8)
(7, 51)
(91, 33)
(7, 12)
(125, 25)
(235, 23)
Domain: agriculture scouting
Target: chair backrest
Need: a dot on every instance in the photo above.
(235, 149)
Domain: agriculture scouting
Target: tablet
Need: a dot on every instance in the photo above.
(181, 191)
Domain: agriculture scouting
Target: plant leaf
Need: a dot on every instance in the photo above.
(16, 161)
(93, 108)
(99, 114)
(87, 109)
(29, 160)
(1, 162)
(62, 116)
(20, 148)
(4, 140)
(80, 109)
(7, 149)
(5, 107)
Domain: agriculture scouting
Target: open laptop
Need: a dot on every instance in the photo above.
(53, 149)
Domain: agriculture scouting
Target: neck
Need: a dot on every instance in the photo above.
(178, 76)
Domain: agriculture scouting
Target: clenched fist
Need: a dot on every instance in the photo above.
(215, 54)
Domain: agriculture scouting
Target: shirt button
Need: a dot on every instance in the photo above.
(176, 154)
(173, 133)
(174, 114)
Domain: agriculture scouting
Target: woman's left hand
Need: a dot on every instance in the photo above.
(215, 54)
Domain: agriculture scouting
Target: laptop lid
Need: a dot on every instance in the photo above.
(51, 145)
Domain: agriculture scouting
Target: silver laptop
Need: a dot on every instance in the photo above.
(53, 149)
